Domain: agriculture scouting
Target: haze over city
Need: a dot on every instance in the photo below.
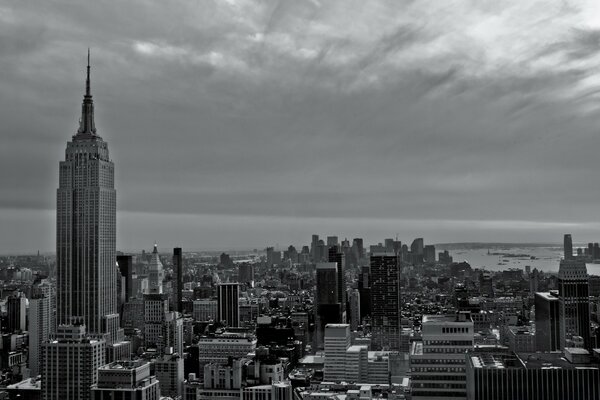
(243, 124)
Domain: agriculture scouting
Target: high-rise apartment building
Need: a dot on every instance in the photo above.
(70, 363)
(86, 229)
(246, 274)
(547, 321)
(574, 303)
(39, 329)
(228, 297)
(385, 301)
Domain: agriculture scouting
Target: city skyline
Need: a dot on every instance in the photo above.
(273, 132)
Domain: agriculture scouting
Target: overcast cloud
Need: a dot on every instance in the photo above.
(249, 123)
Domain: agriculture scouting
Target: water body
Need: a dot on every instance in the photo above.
(546, 258)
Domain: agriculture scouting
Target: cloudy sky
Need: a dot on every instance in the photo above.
(251, 123)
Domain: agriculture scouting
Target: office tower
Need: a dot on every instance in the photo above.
(486, 284)
(416, 246)
(328, 309)
(547, 321)
(156, 306)
(354, 300)
(273, 257)
(438, 362)
(358, 248)
(228, 296)
(337, 341)
(156, 273)
(86, 229)
(246, 274)
(124, 283)
(534, 281)
(332, 241)
(568, 247)
(205, 309)
(168, 369)
(274, 391)
(388, 243)
(499, 374)
(429, 253)
(385, 301)
(364, 288)
(574, 302)
(70, 363)
(220, 347)
(314, 248)
(126, 380)
(38, 329)
(178, 280)
(336, 256)
(16, 308)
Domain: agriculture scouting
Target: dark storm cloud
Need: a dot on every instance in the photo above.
(327, 116)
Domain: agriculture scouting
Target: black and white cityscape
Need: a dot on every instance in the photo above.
(299, 200)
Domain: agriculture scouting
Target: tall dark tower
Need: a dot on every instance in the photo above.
(385, 301)
(336, 256)
(86, 229)
(178, 272)
(568, 247)
(574, 303)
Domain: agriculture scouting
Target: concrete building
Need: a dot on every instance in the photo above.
(126, 380)
(437, 363)
(168, 370)
(521, 339)
(205, 309)
(337, 341)
(218, 348)
(275, 391)
(500, 374)
(70, 364)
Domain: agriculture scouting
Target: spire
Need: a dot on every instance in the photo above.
(86, 123)
(87, 81)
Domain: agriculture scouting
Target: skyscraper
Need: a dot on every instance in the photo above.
(336, 256)
(86, 228)
(574, 304)
(547, 322)
(70, 364)
(228, 295)
(328, 309)
(385, 301)
(568, 247)
(156, 273)
(178, 281)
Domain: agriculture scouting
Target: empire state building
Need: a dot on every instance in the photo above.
(86, 230)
